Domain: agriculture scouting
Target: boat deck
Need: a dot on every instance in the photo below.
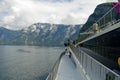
(68, 71)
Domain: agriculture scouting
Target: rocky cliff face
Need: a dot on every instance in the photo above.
(97, 14)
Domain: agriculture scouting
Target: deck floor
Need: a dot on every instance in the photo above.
(68, 71)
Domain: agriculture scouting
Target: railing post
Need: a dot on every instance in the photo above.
(104, 21)
(111, 15)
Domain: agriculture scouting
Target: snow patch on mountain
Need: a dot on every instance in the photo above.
(42, 34)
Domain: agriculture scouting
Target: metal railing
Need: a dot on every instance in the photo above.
(52, 75)
(94, 69)
(104, 22)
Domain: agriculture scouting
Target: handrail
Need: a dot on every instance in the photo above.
(93, 68)
(53, 73)
(105, 21)
(106, 13)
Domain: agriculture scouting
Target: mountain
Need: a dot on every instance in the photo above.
(99, 11)
(40, 34)
(7, 35)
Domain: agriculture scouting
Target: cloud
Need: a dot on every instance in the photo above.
(16, 14)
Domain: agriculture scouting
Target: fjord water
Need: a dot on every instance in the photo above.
(27, 62)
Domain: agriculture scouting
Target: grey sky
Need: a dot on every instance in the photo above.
(17, 14)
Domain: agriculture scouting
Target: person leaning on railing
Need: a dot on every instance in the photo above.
(117, 9)
(95, 28)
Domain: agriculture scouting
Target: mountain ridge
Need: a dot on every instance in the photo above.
(41, 34)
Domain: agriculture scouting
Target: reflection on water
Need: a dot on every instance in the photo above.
(27, 62)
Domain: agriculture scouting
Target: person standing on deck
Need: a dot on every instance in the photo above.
(95, 28)
(117, 9)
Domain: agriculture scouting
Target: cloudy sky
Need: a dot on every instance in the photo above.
(16, 14)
